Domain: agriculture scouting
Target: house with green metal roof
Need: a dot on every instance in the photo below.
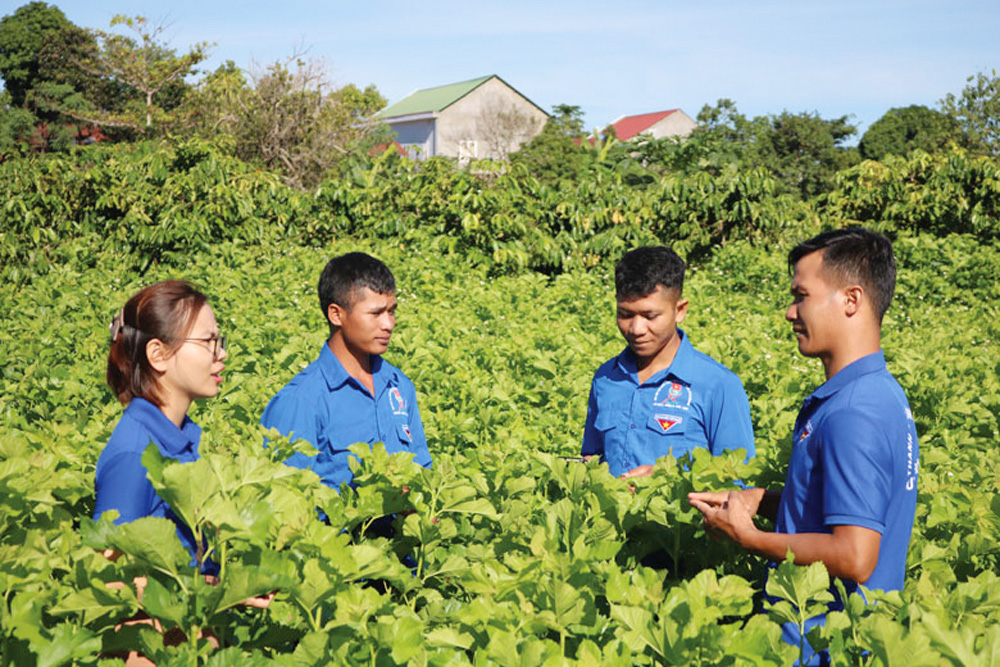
(480, 118)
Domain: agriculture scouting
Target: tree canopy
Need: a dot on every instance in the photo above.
(905, 129)
(801, 150)
(557, 152)
(977, 110)
(22, 35)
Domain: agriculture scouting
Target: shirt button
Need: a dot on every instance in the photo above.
(632, 426)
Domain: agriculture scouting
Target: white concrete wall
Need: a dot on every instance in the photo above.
(677, 124)
(490, 122)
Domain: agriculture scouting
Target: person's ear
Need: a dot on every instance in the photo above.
(158, 354)
(681, 310)
(854, 298)
(335, 313)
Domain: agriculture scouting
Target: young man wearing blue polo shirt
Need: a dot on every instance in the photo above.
(850, 492)
(350, 394)
(660, 396)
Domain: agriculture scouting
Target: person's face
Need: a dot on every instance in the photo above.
(649, 323)
(367, 326)
(817, 309)
(195, 368)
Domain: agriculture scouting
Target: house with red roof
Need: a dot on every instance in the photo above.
(480, 118)
(659, 124)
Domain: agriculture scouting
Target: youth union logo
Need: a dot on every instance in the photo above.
(677, 395)
(396, 402)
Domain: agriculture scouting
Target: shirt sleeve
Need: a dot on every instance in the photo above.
(422, 454)
(122, 485)
(593, 445)
(729, 424)
(857, 470)
(298, 419)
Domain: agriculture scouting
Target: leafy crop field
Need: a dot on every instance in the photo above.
(520, 558)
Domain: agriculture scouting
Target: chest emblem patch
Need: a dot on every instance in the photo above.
(667, 422)
(396, 401)
(806, 430)
(672, 395)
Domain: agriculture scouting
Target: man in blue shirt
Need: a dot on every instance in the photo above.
(660, 396)
(350, 394)
(850, 493)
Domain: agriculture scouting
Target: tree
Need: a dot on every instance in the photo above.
(38, 52)
(977, 111)
(144, 66)
(22, 35)
(802, 150)
(286, 118)
(59, 63)
(567, 120)
(720, 142)
(906, 129)
(15, 126)
(505, 129)
(557, 153)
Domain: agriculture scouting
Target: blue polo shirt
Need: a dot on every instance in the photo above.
(331, 410)
(695, 402)
(121, 482)
(855, 462)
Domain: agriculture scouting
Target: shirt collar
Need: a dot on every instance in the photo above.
(172, 441)
(868, 364)
(679, 368)
(336, 375)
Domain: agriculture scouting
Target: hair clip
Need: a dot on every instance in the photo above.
(117, 323)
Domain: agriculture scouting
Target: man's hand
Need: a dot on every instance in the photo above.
(850, 552)
(258, 602)
(641, 471)
(261, 601)
(729, 512)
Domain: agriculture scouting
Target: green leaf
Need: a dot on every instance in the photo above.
(161, 603)
(68, 643)
(154, 541)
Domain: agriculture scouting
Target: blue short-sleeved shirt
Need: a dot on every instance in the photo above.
(855, 461)
(695, 402)
(331, 410)
(120, 481)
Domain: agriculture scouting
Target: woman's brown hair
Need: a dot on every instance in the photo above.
(164, 311)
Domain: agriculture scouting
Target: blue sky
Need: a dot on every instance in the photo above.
(615, 58)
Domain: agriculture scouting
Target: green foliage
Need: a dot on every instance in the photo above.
(146, 67)
(977, 110)
(150, 204)
(949, 193)
(801, 152)
(287, 119)
(156, 202)
(15, 126)
(557, 153)
(502, 552)
(22, 35)
(904, 130)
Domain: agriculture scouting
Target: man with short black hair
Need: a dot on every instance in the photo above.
(850, 492)
(660, 396)
(350, 394)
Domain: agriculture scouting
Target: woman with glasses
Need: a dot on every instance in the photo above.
(166, 351)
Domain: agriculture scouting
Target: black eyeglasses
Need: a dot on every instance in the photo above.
(215, 343)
